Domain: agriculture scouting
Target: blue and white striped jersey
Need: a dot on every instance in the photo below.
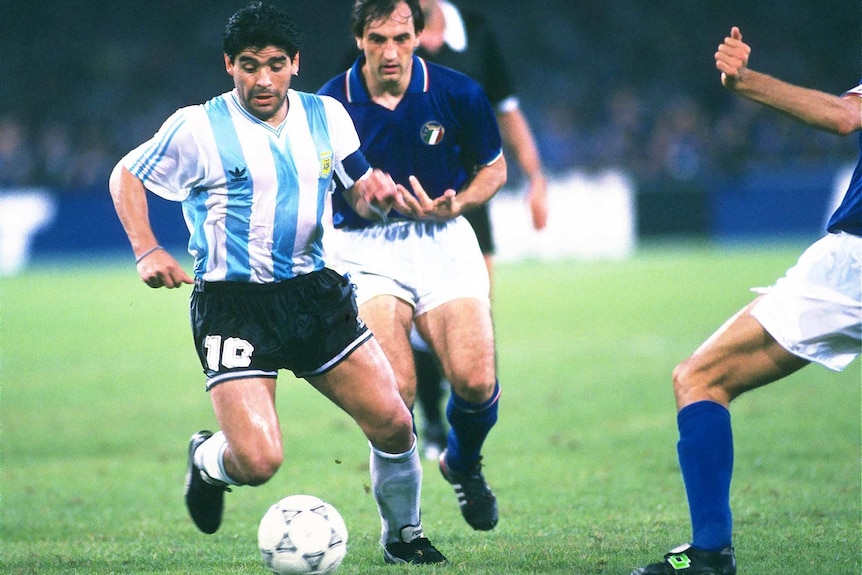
(252, 195)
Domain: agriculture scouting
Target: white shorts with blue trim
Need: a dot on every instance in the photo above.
(815, 310)
(424, 263)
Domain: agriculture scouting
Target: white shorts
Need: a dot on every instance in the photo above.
(815, 310)
(423, 263)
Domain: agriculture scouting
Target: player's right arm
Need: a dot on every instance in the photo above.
(836, 114)
(156, 267)
(518, 136)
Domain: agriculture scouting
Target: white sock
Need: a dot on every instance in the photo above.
(209, 457)
(396, 481)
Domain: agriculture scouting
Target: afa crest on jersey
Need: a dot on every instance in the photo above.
(325, 164)
(432, 133)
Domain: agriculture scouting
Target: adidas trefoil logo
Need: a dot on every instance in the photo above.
(238, 174)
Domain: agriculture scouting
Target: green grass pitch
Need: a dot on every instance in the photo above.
(101, 390)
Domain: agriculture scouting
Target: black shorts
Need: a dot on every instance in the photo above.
(480, 219)
(307, 324)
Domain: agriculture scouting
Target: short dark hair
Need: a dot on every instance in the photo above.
(367, 11)
(259, 25)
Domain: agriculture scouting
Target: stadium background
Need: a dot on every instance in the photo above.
(609, 85)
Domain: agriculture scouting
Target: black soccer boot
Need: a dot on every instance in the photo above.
(688, 560)
(478, 504)
(204, 499)
(416, 551)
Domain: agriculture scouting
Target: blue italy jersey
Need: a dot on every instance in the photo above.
(848, 216)
(253, 195)
(442, 130)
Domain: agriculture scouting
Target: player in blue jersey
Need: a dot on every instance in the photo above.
(812, 314)
(465, 41)
(434, 131)
(253, 168)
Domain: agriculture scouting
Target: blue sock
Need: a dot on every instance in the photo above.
(706, 460)
(469, 425)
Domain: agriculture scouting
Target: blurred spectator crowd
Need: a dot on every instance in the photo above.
(604, 83)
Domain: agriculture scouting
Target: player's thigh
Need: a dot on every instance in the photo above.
(461, 333)
(390, 319)
(245, 410)
(364, 386)
(738, 357)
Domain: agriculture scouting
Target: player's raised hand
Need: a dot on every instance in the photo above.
(160, 269)
(421, 207)
(731, 59)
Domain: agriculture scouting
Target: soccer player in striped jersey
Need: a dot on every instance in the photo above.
(252, 169)
(434, 130)
(812, 314)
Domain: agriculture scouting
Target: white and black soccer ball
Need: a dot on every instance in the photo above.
(302, 535)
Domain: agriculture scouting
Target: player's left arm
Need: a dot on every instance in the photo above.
(481, 188)
(486, 181)
(481, 146)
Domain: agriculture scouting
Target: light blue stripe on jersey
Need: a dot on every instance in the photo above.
(239, 189)
(195, 211)
(287, 210)
(319, 128)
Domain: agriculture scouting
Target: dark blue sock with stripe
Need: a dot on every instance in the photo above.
(706, 460)
(469, 425)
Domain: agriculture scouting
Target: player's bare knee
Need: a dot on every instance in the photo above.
(689, 384)
(680, 378)
(393, 434)
(693, 382)
(475, 388)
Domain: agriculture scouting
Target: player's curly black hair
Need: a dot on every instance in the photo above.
(367, 11)
(258, 25)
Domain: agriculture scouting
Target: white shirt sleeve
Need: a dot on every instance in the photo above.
(169, 164)
(342, 132)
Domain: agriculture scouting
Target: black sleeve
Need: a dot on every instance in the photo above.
(494, 78)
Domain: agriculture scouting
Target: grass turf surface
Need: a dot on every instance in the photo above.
(101, 390)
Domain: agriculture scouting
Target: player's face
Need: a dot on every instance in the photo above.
(262, 78)
(388, 46)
